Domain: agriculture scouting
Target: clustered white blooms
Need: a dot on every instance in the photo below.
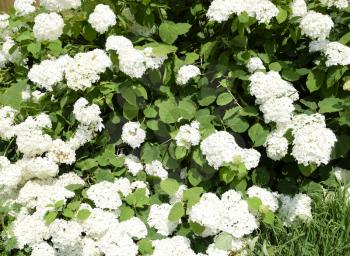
(48, 26)
(342, 175)
(220, 148)
(133, 62)
(312, 141)
(85, 69)
(60, 5)
(274, 95)
(102, 18)
(188, 135)
(133, 134)
(158, 219)
(340, 4)
(230, 214)
(268, 199)
(49, 72)
(316, 25)
(221, 10)
(254, 64)
(295, 208)
(7, 56)
(175, 246)
(24, 7)
(88, 115)
(298, 8)
(4, 21)
(155, 168)
(133, 164)
(336, 53)
(186, 73)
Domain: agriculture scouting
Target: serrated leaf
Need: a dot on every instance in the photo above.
(169, 186)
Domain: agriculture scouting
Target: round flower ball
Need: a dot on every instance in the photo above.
(186, 73)
(133, 134)
(48, 26)
(102, 18)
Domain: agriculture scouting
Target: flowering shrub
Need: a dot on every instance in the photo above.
(167, 127)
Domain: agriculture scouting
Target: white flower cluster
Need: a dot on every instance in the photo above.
(133, 134)
(220, 148)
(4, 21)
(133, 62)
(158, 219)
(5, 54)
(254, 64)
(336, 53)
(263, 10)
(188, 135)
(24, 7)
(175, 246)
(274, 95)
(295, 208)
(186, 73)
(49, 72)
(340, 4)
(133, 164)
(155, 168)
(230, 214)
(298, 8)
(102, 18)
(88, 115)
(60, 5)
(342, 175)
(48, 26)
(316, 25)
(268, 199)
(312, 144)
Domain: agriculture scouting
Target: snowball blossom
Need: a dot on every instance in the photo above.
(262, 10)
(268, 199)
(316, 25)
(188, 135)
(185, 73)
(298, 8)
(118, 43)
(230, 214)
(340, 4)
(158, 218)
(293, 208)
(337, 54)
(60, 5)
(133, 134)
(155, 168)
(220, 148)
(48, 26)
(254, 64)
(24, 7)
(102, 18)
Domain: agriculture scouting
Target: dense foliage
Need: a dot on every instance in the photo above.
(162, 127)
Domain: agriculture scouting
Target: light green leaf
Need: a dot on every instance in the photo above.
(169, 186)
(176, 212)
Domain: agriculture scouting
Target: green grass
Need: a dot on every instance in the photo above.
(328, 234)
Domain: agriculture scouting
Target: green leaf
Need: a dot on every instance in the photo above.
(269, 217)
(169, 31)
(223, 241)
(87, 164)
(258, 134)
(345, 39)
(150, 112)
(194, 177)
(254, 203)
(226, 174)
(168, 111)
(59, 204)
(50, 217)
(196, 228)
(243, 17)
(282, 15)
(145, 246)
(276, 66)
(161, 50)
(307, 170)
(126, 213)
(83, 214)
(180, 152)
(13, 95)
(207, 96)
(34, 49)
(334, 75)
(315, 80)
(176, 212)
(55, 47)
(261, 176)
(74, 205)
(74, 187)
(192, 195)
(129, 95)
(68, 213)
(330, 105)
(138, 198)
(224, 99)
(238, 124)
(169, 186)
